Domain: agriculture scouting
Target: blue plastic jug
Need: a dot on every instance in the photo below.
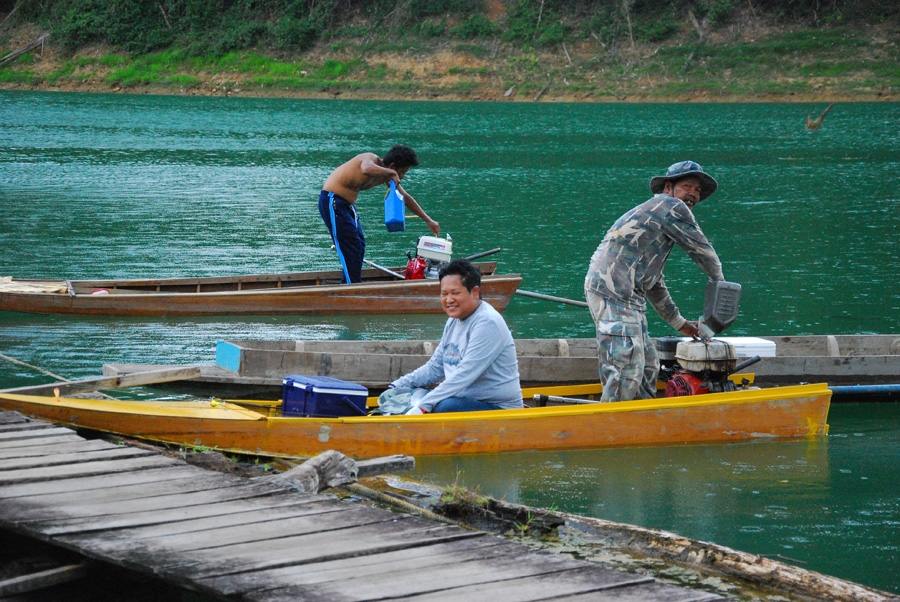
(394, 208)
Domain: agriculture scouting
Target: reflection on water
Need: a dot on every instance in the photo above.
(829, 504)
(705, 489)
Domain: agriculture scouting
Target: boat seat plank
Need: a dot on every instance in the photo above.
(75, 458)
(90, 483)
(9, 284)
(377, 563)
(12, 477)
(59, 448)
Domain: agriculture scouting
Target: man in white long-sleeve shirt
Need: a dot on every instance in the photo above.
(474, 367)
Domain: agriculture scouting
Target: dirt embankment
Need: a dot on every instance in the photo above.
(585, 71)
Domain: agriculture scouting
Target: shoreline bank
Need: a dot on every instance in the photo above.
(209, 92)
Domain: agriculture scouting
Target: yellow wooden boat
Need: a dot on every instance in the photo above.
(255, 427)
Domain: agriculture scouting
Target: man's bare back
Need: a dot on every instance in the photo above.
(362, 172)
(367, 170)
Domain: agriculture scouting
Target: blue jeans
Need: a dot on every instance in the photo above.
(462, 404)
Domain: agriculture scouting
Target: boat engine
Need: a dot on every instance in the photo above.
(702, 366)
(432, 253)
(705, 366)
(415, 267)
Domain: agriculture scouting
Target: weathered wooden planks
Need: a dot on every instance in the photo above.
(99, 467)
(257, 539)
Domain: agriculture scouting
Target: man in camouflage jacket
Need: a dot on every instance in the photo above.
(626, 270)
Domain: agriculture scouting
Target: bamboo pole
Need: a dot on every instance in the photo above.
(534, 295)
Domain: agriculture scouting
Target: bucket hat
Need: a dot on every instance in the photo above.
(683, 169)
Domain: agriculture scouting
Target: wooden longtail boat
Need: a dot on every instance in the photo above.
(795, 411)
(289, 293)
(842, 359)
(377, 363)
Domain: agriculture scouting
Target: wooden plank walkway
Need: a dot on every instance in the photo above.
(258, 539)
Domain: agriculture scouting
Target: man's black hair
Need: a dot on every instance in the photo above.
(400, 156)
(468, 273)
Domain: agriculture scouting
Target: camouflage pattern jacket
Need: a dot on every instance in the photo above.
(627, 266)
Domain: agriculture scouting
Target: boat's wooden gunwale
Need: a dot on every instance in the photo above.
(336, 289)
(300, 278)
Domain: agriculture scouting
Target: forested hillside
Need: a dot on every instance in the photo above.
(493, 49)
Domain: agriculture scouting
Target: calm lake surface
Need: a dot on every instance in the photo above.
(113, 186)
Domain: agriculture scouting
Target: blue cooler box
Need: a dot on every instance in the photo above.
(322, 396)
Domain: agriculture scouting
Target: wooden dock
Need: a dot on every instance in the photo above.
(260, 539)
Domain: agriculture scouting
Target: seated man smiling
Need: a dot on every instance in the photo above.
(474, 367)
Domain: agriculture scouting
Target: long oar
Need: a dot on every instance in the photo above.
(401, 277)
(384, 269)
(483, 254)
(541, 400)
(544, 297)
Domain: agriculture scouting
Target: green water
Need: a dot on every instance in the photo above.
(133, 186)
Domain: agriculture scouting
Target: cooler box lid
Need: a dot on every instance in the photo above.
(324, 384)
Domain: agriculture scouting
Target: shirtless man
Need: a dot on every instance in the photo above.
(337, 202)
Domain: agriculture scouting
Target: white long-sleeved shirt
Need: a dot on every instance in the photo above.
(476, 358)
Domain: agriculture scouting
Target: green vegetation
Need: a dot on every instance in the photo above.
(591, 49)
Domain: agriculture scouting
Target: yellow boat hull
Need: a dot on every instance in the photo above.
(795, 411)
